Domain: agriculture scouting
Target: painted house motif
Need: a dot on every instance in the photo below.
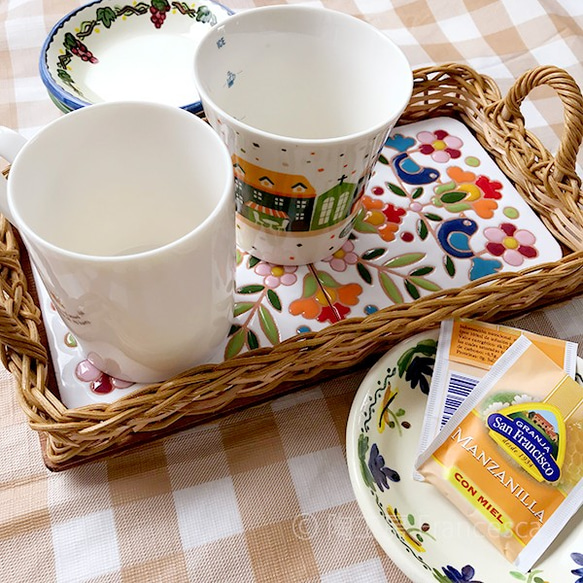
(288, 202)
(283, 202)
(333, 205)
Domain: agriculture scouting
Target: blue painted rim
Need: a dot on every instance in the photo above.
(69, 100)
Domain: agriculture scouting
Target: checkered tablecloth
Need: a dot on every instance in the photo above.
(263, 494)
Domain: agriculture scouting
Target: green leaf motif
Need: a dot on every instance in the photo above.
(250, 289)
(452, 197)
(310, 286)
(424, 283)
(445, 187)
(517, 575)
(410, 519)
(426, 347)
(449, 265)
(64, 76)
(252, 340)
(161, 5)
(433, 217)
(417, 193)
(422, 229)
(383, 160)
(373, 253)
(405, 259)
(327, 280)
(235, 344)
(242, 307)
(412, 290)
(203, 14)
(106, 15)
(361, 226)
(440, 577)
(268, 325)
(362, 451)
(253, 261)
(390, 289)
(69, 40)
(364, 273)
(458, 207)
(274, 299)
(396, 189)
(423, 270)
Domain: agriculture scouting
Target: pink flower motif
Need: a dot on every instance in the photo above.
(100, 382)
(510, 243)
(342, 258)
(439, 145)
(276, 275)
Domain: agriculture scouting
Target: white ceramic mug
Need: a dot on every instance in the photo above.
(304, 98)
(127, 213)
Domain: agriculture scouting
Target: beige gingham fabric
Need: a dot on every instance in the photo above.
(263, 494)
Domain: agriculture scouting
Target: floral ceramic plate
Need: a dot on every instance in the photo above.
(109, 50)
(418, 528)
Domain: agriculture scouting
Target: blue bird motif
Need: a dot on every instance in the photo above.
(454, 237)
(410, 172)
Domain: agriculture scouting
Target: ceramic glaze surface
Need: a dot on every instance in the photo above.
(295, 94)
(137, 258)
(107, 51)
(417, 527)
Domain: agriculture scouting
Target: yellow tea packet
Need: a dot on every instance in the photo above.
(514, 470)
(466, 349)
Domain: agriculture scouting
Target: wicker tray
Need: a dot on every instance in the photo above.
(549, 183)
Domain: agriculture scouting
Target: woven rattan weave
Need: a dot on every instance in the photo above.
(549, 183)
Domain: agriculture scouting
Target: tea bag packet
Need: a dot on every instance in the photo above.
(509, 457)
(466, 350)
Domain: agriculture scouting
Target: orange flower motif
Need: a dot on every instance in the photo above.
(466, 191)
(381, 217)
(370, 203)
(325, 299)
(388, 231)
(348, 294)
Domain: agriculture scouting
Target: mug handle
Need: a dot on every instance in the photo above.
(11, 143)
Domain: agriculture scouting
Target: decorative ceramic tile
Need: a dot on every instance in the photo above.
(438, 213)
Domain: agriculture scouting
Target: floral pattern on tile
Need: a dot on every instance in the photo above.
(437, 214)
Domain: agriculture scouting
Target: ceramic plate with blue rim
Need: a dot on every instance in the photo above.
(417, 527)
(134, 50)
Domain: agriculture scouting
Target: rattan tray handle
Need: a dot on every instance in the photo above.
(559, 198)
(570, 95)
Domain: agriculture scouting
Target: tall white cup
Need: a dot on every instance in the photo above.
(126, 210)
(304, 98)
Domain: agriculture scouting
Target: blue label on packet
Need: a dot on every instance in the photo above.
(529, 434)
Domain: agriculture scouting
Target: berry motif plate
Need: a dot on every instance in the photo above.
(419, 529)
(135, 50)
